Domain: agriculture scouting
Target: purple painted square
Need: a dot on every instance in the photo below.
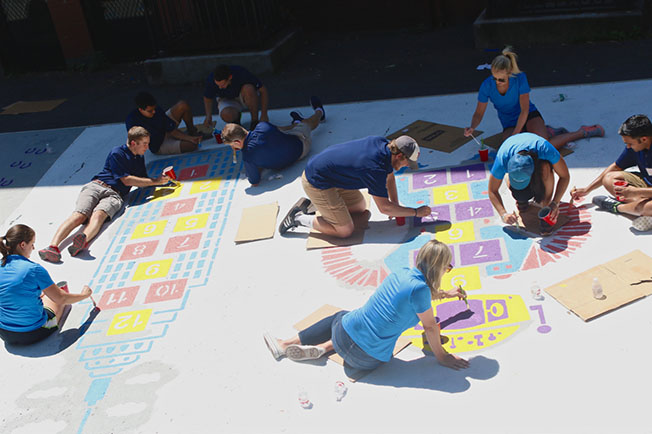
(474, 172)
(416, 252)
(429, 179)
(473, 210)
(438, 214)
(478, 252)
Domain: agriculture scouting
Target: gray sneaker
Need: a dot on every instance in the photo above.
(607, 203)
(642, 223)
(304, 352)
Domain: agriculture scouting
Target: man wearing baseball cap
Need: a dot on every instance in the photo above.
(333, 178)
(530, 161)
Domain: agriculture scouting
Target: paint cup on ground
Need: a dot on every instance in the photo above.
(169, 172)
(218, 136)
(620, 184)
(544, 215)
(484, 154)
(400, 221)
(63, 285)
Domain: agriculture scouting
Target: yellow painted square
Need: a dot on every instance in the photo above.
(457, 233)
(467, 277)
(129, 322)
(149, 229)
(191, 222)
(166, 192)
(205, 185)
(450, 193)
(152, 269)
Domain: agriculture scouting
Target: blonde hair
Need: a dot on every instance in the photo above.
(506, 62)
(433, 260)
(233, 132)
(136, 134)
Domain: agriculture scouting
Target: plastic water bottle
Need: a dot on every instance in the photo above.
(535, 290)
(340, 390)
(304, 401)
(48, 149)
(596, 286)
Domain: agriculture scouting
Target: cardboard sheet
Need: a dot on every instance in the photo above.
(31, 106)
(529, 221)
(317, 240)
(257, 223)
(623, 280)
(440, 137)
(328, 310)
(496, 140)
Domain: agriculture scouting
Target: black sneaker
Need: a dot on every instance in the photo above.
(315, 102)
(288, 221)
(296, 117)
(607, 203)
(305, 206)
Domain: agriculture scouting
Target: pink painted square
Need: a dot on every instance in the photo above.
(183, 243)
(193, 172)
(179, 207)
(138, 250)
(168, 290)
(115, 298)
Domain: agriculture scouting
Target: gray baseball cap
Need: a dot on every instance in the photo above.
(409, 147)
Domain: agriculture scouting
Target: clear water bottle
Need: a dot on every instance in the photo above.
(304, 401)
(596, 286)
(340, 390)
(535, 290)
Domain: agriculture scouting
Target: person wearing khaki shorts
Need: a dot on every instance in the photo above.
(333, 178)
(631, 191)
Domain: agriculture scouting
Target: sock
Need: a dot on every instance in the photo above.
(320, 110)
(305, 220)
(296, 122)
(56, 248)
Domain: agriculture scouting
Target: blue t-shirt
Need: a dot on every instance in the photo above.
(642, 159)
(119, 163)
(156, 126)
(508, 105)
(240, 77)
(21, 284)
(362, 163)
(523, 142)
(391, 310)
(267, 147)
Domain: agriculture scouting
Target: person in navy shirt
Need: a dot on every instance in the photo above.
(508, 89)
(634, 196)
(236, 90)
(333, 178)
(31, 304)
(165, 138)
(270, 147)
(531, 162)
(103, 197)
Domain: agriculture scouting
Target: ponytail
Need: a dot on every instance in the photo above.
(507, 61)
(14, 236)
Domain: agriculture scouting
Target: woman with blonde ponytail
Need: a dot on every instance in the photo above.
(508, 89)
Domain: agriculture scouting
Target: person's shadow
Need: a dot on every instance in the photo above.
(55, 343)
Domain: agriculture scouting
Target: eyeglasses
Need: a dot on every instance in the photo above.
(450, 267)
(499, 80)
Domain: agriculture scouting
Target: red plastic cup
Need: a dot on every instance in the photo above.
(400, 221)
(169, 172)
(620, 184)
(484, 154)
(544, 215)
(218, 136)
(63, 285)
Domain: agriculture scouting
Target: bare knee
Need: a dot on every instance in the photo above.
(609, 178)
(345, 231)
(229, 114)
(77, 218)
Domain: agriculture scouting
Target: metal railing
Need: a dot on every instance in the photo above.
(518, 8)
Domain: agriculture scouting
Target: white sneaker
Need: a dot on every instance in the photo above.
(643, 223)
(304, 352)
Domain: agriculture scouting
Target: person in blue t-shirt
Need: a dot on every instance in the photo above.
(634, 195)
(365, 337)
(165, 138)
(30, 302)
(531, 162)
(333, 178)
(236, 90)
(270, 147)
(103, 197)
(509, 91)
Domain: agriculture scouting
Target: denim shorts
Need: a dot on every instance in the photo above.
(352, 354)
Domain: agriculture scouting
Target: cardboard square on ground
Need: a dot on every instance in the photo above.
(328, 310)
(317, 240)
(257, 223)
(440, 137)
(623, 280)
(32, 106)
(529, 220)
(496, 140)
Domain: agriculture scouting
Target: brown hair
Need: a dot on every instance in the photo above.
(14, 236)
(136, 134)
(233, 132)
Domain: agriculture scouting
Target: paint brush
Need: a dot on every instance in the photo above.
(464, 296)
(93, 301)
(476, 140)
(572, 192)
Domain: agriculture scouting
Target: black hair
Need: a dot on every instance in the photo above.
(221, 72)
(14, 236)
(536, 180)
(636, 126)
(144, 100)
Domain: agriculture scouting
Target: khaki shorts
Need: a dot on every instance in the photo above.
(302, 131)
(332, 203)
(635, 179)
(94, 197)
(170, 145)
(236, 103)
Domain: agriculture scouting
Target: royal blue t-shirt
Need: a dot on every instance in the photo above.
(507, 106)
(119, 163)
(156, 126)
(642, 159)
(362, 163)
(391, 310)
(523, 142)
(21, 284)
(240, 77)
(267, 147)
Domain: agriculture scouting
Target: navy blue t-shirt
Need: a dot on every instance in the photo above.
(362, 163)
(156, 126)
(240, 77)
(267, 147)
(119, 163)
(642, 159)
